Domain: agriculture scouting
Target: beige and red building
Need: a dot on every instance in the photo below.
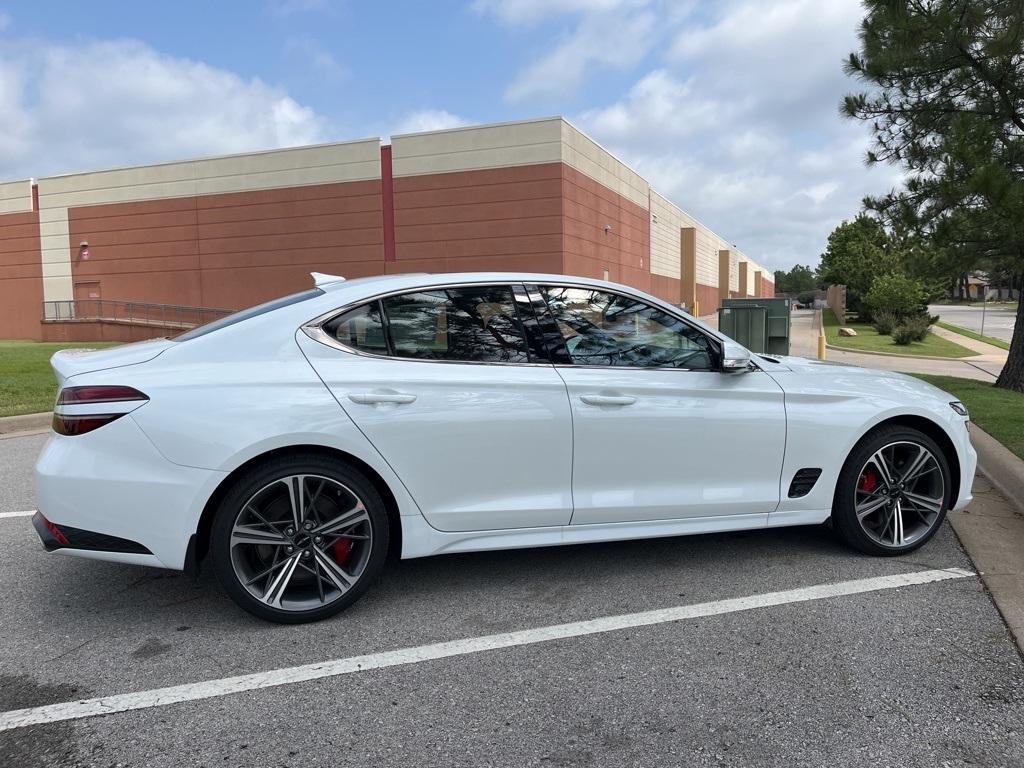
(229, 232)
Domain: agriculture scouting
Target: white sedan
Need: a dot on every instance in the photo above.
(294, 444)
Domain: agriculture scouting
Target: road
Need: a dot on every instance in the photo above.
(999, 321)
(920, 675)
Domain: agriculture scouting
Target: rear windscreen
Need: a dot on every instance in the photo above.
(245, 314)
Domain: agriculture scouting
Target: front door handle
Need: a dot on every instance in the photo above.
(608, 399)
(376, 398)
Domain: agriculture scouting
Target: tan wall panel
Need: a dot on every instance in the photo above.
(587, 156)
(477, 148)
(666, 224)
(16, 196)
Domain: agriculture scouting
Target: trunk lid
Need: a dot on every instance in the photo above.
(72, 362)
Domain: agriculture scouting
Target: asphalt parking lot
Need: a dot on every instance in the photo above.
(915, 675)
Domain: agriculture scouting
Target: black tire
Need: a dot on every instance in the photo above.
(275, 477)
(870, 536)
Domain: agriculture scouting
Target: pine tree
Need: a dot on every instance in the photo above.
(946, 103)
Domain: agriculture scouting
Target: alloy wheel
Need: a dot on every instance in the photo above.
(301, 542)
(900, 494)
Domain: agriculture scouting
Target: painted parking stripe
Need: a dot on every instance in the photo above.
(208, 689)
(27, 513)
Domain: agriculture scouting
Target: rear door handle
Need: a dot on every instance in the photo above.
(608, 399)
(376, 398)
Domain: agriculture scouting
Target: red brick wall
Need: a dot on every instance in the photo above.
(21, 280)
(666, 288)
(501, 219)
(768, 288)
(624, 250)
(230, 250)
(707, 297)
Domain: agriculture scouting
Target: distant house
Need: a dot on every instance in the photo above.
(980, 286)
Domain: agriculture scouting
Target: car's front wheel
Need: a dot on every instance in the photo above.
(892, 493)
(299, 538)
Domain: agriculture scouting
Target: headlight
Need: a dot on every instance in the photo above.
(960, 408)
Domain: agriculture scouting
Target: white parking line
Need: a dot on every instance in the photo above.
(27, 513)
(159, 697)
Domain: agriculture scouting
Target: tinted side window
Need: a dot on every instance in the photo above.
(361, 328)
(473, 324)
(602, 328)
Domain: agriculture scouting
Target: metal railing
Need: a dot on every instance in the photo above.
(131, 313)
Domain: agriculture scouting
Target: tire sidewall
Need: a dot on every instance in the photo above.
(259, 477)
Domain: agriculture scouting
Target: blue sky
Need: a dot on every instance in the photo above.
(728, 107)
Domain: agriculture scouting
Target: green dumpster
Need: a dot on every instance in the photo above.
(759, 324)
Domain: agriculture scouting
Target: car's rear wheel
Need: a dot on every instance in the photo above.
(299, 538)
(892, 493)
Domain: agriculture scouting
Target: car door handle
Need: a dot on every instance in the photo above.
(376, 398)
(608, 399)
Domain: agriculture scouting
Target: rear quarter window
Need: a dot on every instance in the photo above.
(248, 314)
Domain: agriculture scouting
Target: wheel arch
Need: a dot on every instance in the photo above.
(199, 544)
(933, 430)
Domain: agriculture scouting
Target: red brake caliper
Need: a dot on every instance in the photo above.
(342, 548)
(868, 481)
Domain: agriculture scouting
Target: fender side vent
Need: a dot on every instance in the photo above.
(803, 481)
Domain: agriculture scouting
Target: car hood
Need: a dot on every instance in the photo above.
(848, 377)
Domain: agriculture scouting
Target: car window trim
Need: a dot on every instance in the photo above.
(716, 344)
(314, 328)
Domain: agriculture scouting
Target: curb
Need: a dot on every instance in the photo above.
(26, 423)
(1002, 468)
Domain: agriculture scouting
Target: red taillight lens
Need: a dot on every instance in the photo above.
(58, 534)
(79, 425)
(98, 394)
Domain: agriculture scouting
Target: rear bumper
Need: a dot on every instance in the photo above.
(119, 497)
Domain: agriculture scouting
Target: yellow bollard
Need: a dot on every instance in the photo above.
(821, 346)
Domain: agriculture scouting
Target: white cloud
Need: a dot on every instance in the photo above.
(121, 102)
(603, 40)
(739, 125)
(315, 58)
(523, 12)
(288, 7)
(5, 21)
(428, 120)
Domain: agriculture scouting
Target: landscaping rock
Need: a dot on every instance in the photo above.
(847, 332)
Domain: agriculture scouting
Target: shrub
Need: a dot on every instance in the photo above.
(897, 293)
(885, 321)
(807, 299)
(911, 329)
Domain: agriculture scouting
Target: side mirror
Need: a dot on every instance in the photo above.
(735, 357)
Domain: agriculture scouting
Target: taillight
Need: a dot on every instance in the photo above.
(119, 401)
(98, 394)
(79, 425)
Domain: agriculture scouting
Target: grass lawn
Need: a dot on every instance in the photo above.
(27, 383)
(869, 340)
(976, 336)
(999, 412)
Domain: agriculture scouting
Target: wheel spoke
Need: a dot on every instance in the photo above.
(898, 537)
(296, 491)
(878, 459)
(248, 534)
(311, 504)
(279, 585)
(344, 521)
(914, 467)
(334, 572)
(925, 502)
(866, 508)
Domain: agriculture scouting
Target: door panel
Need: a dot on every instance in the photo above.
(659, 433)
(480, 445)
(664, 444)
